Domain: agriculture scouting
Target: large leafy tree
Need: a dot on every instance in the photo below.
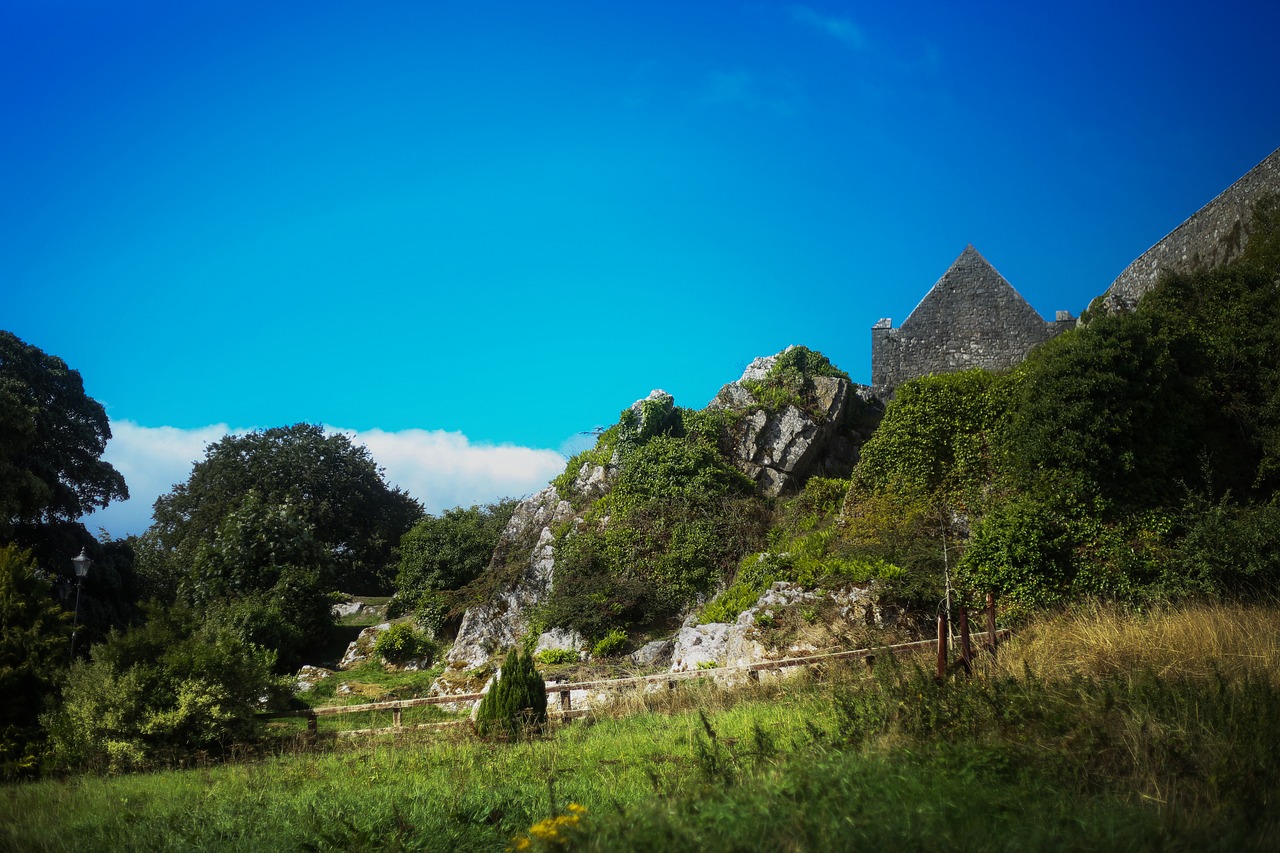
(52, 436)
(333, 487)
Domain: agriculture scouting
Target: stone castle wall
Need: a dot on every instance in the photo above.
(1213, 236)
(971, 318)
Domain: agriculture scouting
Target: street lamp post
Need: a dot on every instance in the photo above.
(82, 564)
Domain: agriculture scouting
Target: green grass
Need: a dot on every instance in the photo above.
(1088, 758)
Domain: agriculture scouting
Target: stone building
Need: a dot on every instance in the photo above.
(971, 318)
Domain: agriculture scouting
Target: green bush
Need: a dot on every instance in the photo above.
(555, 657)
(611, 644)
(161, 691)
(402, 642)
(516, 704)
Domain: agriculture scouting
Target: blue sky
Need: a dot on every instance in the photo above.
(466, 232)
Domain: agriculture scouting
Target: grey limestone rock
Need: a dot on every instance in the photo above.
(501, 623)
(776, 448)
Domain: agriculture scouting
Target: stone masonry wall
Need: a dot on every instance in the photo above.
(971, 318)
(1213, 236)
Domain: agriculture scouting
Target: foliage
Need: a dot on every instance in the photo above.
(265, 574)
(160, 691)
(557, 657)
(611, 644)
(52, 436)
(935, 437)
(516, 704)
(34, 641)
(677, 519)
(402, 642)
(448, 551)
(333, 486)
(1022, 552)
(790, 381)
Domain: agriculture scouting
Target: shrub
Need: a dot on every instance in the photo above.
(611, 644)
(160, 691)
(516, 704)
(402, 642)
(554, 657)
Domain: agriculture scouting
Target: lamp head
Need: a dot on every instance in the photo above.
(82, 564)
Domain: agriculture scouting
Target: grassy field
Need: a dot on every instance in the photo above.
(1093, 730)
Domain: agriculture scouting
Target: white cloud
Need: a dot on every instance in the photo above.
(444, 469)
(441, 469)
(841, 29)
(152, 460)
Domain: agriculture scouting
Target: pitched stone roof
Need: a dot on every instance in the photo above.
(972, 317)
(971, 296)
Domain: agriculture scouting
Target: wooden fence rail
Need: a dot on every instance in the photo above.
(563, 691)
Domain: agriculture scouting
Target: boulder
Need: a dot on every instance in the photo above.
(309, 676)
(560, 638)
(777, 448)
(361, 649)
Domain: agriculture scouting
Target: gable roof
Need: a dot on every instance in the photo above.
(971, 291)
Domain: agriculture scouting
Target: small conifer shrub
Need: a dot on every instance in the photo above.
(516, 705)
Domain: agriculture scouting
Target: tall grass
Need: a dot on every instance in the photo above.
(1052, 745)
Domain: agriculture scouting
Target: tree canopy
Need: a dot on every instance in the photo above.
(333, 487)
(52, 436)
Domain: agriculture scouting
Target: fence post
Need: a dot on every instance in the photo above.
(566, 702)
(942, 646)
(311, 728)
(991, 622)
(395, 718)
(966, 648)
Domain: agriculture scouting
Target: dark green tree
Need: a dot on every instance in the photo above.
(34, 638)
(334, 487)
(266, 575)
(448, 551)
(52, 436)
(516, 704)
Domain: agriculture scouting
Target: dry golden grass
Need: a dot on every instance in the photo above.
(1191, 641)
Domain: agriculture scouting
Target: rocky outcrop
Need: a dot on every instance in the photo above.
(778, 449)
(747, 639)
(528, 543)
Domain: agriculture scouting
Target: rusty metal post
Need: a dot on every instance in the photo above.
(966, 648)
(942, 646)
(992, 641)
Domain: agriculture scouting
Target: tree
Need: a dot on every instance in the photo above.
(33, 647)
(266, 576)
(450, 550)
(52, 436)
(516, 704)
(333, 486)
(444, 553)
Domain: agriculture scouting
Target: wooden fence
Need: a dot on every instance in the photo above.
(559, 694)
